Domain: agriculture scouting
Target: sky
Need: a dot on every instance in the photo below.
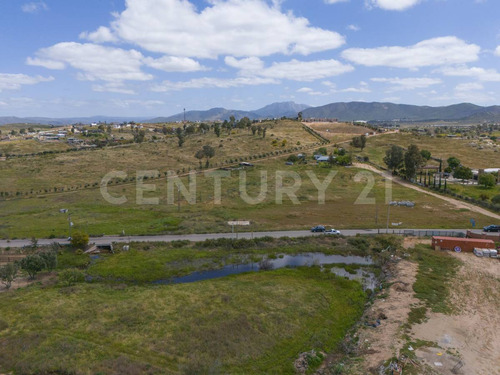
(63, 58)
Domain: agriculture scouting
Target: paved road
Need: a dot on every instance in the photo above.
(203, 237)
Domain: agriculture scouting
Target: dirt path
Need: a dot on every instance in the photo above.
(455, 202)
(381, 343)
(472, 334)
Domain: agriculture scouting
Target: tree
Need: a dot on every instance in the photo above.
(453, 163)
(264, 132)
(322, 151)
(139, 136)
(394, 158)
(8, 274)
(32, 264)
(79, 240)
(34, 243)
(344, 160)
(463, 173)
(299, 116)
(254, 129)
(413, 161)
(359, 142)
(496, 199)
(487, 180)
(426, 154)
(217, 130)
(50, 259)
(199, 155)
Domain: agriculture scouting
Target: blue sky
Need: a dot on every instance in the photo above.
(155, 57)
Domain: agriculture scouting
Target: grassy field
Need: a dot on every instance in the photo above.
(475, 191)
(86, 167)
(148, 262)
(442, 148)
(30, 146)
(337, 131)
(40, 217)
(249, 323)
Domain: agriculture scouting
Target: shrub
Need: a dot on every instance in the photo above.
(496, 199)
(8, 274)
(79, 239)
(71, 276)
(32, 264)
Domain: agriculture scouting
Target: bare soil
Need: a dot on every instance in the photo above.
(378, 344)
(472, 333)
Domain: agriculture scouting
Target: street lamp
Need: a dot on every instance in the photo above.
(70, 223)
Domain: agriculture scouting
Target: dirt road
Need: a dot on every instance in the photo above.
(457, 203)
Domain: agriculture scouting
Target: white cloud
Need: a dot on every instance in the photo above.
(471, 86)
(335, 1)
(101, 35)
(49, 64)
(305, 89)
(95, 62)
(115, 87)
(294, 70)
(408, 83)
(137, 103)
(207, 82)
(394, 4)
(481, 74)
(305, 70)
(16, 81)
(246, 64)
(34, 7)
(431, 52)
(232, 27)
(497, 51)
(353, 28)
(174, 64)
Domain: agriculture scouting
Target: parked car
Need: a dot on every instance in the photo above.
(318, 228)
(492, 228)
(334, 232)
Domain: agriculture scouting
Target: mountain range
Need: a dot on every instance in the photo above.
(351, 111)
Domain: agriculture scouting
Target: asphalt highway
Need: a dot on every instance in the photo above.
(202, 237)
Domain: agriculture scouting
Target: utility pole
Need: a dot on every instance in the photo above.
(178, 199)
(388, 214)
(69, 225)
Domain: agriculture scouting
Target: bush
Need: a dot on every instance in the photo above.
(496, 199)
(32, 264)
(8, 274)
(79, 240)
(71, 276)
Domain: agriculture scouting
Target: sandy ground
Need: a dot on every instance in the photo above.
(21, 282)
(381, 343)
(455, 202)
(472, 334)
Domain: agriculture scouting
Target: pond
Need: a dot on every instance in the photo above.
(368, 279)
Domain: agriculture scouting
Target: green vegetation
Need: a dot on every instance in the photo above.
(148, 262)
(250, 323)
(90, 213)
(442, 148)
(436, 271)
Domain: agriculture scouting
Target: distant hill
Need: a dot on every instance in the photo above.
(388, 112)
(65, 121)
(286, 109)
(209, 115)
(275, 110)
(352, 111)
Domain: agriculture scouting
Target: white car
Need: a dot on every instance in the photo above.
(333, 231)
